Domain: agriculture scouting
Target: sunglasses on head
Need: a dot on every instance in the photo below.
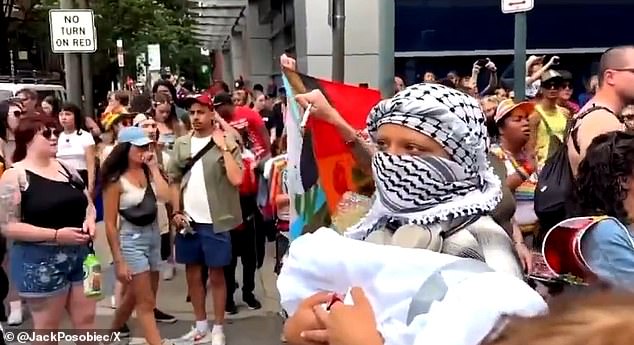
(49, 132)
(156, 104)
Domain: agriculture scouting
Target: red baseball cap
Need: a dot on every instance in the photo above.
(202, 99)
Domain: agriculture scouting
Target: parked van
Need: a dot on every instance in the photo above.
(10, 90)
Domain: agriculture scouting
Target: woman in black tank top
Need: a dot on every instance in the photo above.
(46, 212)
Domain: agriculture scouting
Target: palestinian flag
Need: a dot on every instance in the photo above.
(324, 163)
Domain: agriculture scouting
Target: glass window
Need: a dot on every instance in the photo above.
(454, 25)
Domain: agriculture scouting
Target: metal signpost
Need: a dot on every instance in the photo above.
(120, 63)
(519, 8)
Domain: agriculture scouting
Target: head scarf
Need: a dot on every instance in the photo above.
(425, 190)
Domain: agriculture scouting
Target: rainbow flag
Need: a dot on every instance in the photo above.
(321, 167)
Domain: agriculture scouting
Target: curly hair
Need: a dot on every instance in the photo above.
(604, 173)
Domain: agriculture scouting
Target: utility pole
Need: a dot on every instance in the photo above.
(386, 47)
(86, 72)
(72, 66)
(519, 8)
(519, 68)
(338, 23)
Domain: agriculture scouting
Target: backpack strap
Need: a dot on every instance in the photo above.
(574, 129)
(549, 130)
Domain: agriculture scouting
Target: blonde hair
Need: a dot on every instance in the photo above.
(591, 319)
(492, 99)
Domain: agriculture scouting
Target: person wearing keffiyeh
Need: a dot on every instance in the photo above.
(432, 170)
(432, 175)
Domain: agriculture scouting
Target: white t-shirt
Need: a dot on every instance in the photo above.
(71, 148)
(533, 89)
(195, 202)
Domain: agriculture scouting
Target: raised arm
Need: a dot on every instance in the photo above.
(321, 109)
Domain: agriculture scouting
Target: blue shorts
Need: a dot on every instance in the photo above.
(203, 247)
(140, 247)
(43, 271)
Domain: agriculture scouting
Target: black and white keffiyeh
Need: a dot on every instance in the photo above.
(427, 189)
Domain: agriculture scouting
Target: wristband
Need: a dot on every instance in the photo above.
(523, 174)
(358, 135)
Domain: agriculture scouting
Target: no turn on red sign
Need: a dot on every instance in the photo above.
(72, 31)
(517, 6)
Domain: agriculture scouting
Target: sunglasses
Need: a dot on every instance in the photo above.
(552, 86)
(631, 70)
(126, 122)
(566, 86)
(628, 117)
(49, 132)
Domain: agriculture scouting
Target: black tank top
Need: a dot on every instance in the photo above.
(52, 204)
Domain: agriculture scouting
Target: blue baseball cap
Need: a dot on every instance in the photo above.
(133, 135)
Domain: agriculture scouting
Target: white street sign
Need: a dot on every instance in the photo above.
(517, 6)
(72, 31)
(154, 57)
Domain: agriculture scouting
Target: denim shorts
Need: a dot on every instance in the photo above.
(43, 271)
(204, 247)
(140, 247)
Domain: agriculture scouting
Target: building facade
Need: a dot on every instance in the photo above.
(436, 35)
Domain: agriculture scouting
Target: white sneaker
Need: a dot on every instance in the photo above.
(198, 337)
(15, 317)
(218, 338)
(168, 271)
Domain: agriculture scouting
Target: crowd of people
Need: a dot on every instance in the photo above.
(456, 217)
(132, 168)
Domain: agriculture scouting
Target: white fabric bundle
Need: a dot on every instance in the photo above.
(391, 276)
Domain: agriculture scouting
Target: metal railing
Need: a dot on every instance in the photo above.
(32, 77)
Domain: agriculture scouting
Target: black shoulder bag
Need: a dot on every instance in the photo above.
(145, 212)
(554, 200)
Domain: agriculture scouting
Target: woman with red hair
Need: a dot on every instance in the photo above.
(47, 213)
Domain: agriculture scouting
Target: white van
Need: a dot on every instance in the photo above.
(10, 90)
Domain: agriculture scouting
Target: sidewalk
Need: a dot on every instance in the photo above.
(248, 326)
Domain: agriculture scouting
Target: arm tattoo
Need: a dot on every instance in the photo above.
(9, 205)
(91, 211)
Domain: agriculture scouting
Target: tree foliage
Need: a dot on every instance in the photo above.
(142, 22)
(136, 22)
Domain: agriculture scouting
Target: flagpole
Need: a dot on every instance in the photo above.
(338, 39)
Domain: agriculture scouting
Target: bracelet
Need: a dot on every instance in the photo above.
(358, 135)
(519, 242)
(55, 237)
(177, 213)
